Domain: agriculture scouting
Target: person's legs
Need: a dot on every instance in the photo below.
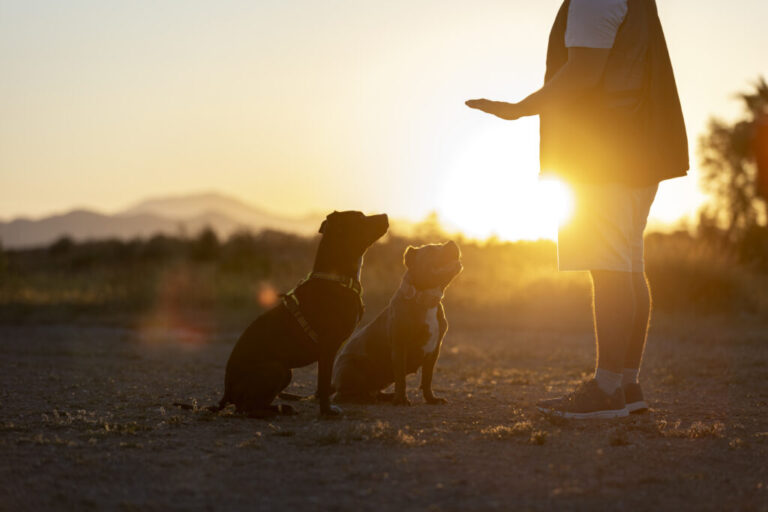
(604, 237)
(636, 346)
(633, 392)
(642, 199)
(614, 312)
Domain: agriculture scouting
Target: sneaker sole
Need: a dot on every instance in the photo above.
(637, 407)
(596, 415)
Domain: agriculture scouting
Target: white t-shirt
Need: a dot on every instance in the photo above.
(594, 23)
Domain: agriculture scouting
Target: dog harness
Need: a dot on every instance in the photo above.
(292, 304)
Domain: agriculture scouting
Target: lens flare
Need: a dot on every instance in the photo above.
(266, 295)
(171, 321)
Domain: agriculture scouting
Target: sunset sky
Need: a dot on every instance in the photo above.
(307, 105)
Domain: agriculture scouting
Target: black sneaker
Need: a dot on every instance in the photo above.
(633, 395)
(586, 402)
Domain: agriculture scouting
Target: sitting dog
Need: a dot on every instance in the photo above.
(405, 336)
(310, 323)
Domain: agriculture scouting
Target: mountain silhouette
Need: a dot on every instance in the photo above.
(173, 215)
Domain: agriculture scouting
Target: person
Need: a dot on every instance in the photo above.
(612, 128)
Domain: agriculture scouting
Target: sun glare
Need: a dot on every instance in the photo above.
(557, 197)
(491, 190)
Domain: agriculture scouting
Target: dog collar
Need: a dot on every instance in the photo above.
(428, 296)
(347, 282)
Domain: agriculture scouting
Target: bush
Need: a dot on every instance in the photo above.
(511, 284)
(162, 249)
(206, 246)
(62, 246)
(241, 255)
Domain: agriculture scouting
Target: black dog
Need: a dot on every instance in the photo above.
(406, 336)
(310, 323)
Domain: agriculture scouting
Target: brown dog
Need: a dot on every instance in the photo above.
(406, 335)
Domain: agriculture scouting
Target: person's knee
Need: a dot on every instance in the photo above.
(613, 291)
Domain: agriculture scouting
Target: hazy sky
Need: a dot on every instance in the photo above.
(300, 105)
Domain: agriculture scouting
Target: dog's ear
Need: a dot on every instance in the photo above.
(453, 246)
(325, 222)
(408, 255)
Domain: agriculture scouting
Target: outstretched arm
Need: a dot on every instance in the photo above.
(581, 73)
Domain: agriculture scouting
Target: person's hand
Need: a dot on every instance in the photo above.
(507, 111)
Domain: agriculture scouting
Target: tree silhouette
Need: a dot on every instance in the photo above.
(729, 170)
(206, 246)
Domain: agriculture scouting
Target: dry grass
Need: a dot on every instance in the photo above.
(696, 430)
(517, 283)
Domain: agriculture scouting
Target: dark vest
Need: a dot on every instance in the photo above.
(630, 128)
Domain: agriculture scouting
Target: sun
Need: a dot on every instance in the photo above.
(557, 199)
(491, 190)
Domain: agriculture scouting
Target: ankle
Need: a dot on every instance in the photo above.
(608, 381)
(630, 376)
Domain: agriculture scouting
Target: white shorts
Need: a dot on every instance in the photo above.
(606, 229)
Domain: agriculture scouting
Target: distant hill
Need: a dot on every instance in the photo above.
(169, 215)
(226, 212)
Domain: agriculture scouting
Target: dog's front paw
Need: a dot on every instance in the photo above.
(435, 400)
(330, 411)
(401, 400)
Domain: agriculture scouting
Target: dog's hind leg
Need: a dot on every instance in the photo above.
(261, 388)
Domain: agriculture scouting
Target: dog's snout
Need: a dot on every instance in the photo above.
(382, 221)
(452, 247)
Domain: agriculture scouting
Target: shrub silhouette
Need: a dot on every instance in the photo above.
(737, 213)
(510, 283)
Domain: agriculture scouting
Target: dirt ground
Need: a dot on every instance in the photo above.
(87, 423)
